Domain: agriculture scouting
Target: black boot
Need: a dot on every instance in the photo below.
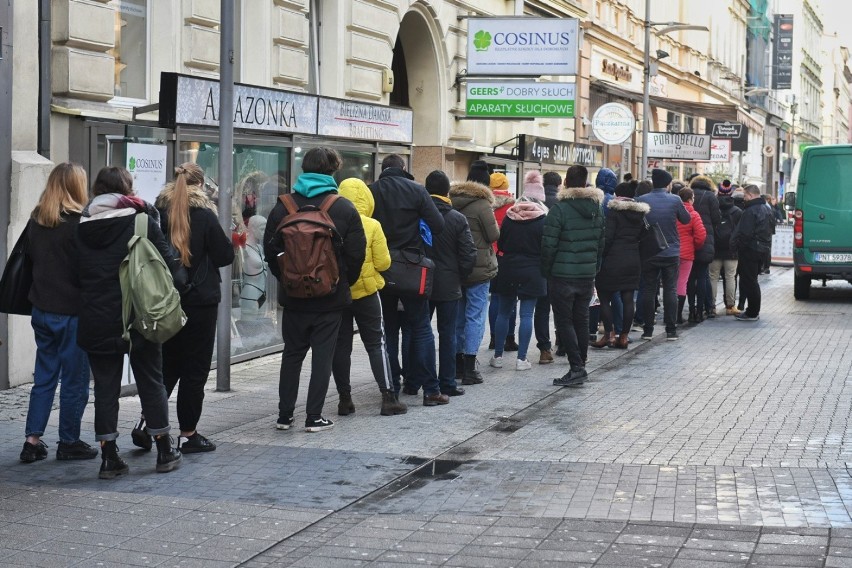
(168, 457)
(112, 465)
(391, 404)
(692, 315)
(681, 300)
(140, 437)
(471, 376)
(459, 366)
(511, 344)
(345, 406)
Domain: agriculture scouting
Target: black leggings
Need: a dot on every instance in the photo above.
(606, 308)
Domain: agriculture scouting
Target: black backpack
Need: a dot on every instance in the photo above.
(724, 230)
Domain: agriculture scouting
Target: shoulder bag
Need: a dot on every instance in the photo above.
(653, 241)
(17, 278)
(410, 274)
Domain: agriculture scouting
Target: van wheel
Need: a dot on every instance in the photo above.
(801, 287)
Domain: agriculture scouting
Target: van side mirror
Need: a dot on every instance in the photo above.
(790, 200)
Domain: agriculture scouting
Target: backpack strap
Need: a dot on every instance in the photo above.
(289, 203)
(328, 202)
(141, 226)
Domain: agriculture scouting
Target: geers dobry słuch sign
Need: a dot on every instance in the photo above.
(522, 46)
(194, 101)
(511, 99)
(678, 146)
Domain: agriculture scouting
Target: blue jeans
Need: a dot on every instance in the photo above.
(420, 368)
(58, 358)
(494, 309)
(501, 327)
(447, 314)
(470, 323)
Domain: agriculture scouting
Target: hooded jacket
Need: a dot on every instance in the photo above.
(730, 214)
(400, 205)
(692, 235)
(453, 253)
(707, 207)
(209, 247)
(621, 265)
(606, 181)
(475, 202)
(667, 210)
(377, 258)
(312, 189)
(754, 231)
(106, 226)
(573, 240)
(519, 251)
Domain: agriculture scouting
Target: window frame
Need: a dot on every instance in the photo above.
(130, 102)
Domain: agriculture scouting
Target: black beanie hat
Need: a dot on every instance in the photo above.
(437, 183)
(479, 173)
(660, 178)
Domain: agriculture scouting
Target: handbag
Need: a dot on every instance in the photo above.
(17, 278)
(410, 274)
(653, 241)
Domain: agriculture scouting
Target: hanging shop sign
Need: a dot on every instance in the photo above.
(522, 46)
(782, 59)
(559, 152)
(720, 150)
(679, 146)
(613, 123)
(348, 119)
(147, 165)
(735, 131)
(512, 99)
(614, 70)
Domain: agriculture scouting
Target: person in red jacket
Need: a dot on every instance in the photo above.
(692, 236)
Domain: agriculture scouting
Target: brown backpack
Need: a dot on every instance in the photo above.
(308, 264)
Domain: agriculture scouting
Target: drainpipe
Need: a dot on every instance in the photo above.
(5, 165)
(44, 86)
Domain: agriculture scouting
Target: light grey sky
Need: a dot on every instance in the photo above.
(837, 17)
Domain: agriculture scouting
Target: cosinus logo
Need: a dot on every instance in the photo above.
(532, 38)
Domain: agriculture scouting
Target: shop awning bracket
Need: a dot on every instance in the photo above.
(145, 109)
(514, 151)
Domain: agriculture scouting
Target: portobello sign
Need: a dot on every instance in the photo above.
(513, 99)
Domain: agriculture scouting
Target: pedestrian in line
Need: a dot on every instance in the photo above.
(474, 200)
(55, 296)
(606, 181)
(621, 264)
(519, 275)
(541, 319)
(666, 210)
(699, 288)
(725, 257)
(401, 203)
(454, 255)
(314, 323)
(503, 200)
(365, 310)
(106, 227)
(571, 252)
(191, 225)
(692, 237)
(752, 238)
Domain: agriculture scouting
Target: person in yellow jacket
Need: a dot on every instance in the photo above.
(366, 310)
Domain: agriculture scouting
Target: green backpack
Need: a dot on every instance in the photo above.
(150, 304)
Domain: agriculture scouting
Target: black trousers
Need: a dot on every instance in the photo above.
(367, 312)
(186, 363)
(146, 361)
(750, 263)
(570, 300)
(301, 331)
(654, 270)
(541, 323)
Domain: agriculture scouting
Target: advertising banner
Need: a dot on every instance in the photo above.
(735, 131)
(347, 119)
(782, 59)
(513, 99)
(679, 146)
(522, 46)
(720, 150)
(559, 152)
(147, 164)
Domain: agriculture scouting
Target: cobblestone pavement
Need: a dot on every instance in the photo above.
(728, 447)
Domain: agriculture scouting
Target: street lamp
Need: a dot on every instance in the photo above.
(669, 27)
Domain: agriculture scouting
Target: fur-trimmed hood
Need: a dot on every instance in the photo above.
(197, 197)
(703, 182)
(472, 191)
(502, 198)
(593, 193)
(627, 204)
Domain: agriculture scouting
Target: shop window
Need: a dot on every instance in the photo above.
(672, 121)
(131, 49)
(689, 125)
(355, 165)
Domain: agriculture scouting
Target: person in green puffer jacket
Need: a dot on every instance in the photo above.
(571, 252)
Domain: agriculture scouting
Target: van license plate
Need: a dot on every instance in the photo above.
(832, 257)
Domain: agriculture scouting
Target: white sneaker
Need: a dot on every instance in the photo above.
(523, 365)
(496, 362)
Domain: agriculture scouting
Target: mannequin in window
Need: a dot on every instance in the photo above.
(253, 293)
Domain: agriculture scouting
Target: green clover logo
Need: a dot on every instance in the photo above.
(482, 40)
(132, 163)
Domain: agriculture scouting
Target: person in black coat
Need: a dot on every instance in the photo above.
(725, 257)
(699, 290)
(552, 183)
(107, 224)
(752, 238)
(519, 275)
(454, 255)
(314, 323)
(190, 223)
(621, 266)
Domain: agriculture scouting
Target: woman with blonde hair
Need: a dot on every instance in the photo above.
(190, 223)
(55, 296)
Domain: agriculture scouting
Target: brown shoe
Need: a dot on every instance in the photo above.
(622, 341)
(435, 399)
(546, 357)
(607, 339)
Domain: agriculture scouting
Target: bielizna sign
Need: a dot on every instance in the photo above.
(348, 119)
(679, 146)
(522, 46)
(520, 99)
